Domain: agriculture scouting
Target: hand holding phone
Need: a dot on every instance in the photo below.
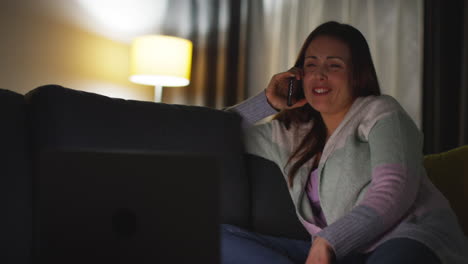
(285, 90)
(294, 91)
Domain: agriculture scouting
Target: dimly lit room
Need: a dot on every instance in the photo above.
(234, 131)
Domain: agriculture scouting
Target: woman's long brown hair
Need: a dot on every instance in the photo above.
(363, 83)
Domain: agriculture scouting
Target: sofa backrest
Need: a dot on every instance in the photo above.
(15, 181)
(68, 120)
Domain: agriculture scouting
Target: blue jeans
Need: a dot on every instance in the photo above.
(241, 246)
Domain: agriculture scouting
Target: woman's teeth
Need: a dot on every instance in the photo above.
(321, 90)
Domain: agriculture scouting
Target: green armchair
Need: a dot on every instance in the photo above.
(449, 172)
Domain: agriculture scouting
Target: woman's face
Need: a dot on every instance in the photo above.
(327, 75)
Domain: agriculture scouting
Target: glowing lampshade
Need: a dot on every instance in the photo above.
(160, 61)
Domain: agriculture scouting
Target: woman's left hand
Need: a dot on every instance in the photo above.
(320, 253)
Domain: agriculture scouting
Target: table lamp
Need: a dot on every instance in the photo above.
(160, 61)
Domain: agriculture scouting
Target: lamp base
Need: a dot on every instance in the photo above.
(158, 89)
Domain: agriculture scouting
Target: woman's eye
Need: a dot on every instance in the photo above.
(310, 65)
(335, 66)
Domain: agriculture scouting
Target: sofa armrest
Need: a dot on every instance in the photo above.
(15, 181)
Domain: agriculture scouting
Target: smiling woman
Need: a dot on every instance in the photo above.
(351, 158)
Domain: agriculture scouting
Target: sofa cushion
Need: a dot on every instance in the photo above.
(68, 120)
(15, 181)
(273, 211)
(449, 173)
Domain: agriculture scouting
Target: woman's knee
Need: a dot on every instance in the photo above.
(402, 251)
(227, 229)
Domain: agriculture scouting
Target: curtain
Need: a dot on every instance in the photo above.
(218, 30)
(393, 29)
(445, 122)
(463, 121)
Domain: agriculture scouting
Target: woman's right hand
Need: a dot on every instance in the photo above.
(277, 90)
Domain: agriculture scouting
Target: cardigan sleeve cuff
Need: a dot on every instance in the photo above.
(353, 232)
(254, 108)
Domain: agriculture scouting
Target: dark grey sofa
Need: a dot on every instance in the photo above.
(252, 191)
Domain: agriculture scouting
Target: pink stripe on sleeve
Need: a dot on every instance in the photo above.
(389, 191)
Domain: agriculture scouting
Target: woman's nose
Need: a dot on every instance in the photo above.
(320, 73)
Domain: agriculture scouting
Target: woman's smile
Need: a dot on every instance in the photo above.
(321, 91)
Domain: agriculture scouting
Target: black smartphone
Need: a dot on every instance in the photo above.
(295, 91)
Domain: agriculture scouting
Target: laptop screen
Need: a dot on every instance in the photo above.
(126, 208)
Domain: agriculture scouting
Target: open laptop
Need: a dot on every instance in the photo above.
(94, 207)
